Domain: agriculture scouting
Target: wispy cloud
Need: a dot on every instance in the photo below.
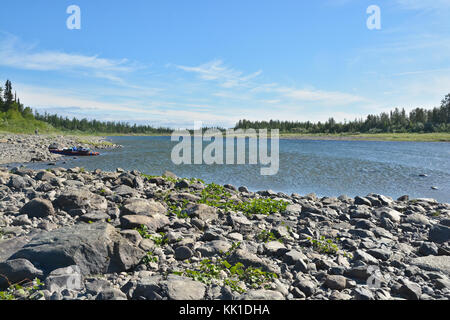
(15, 54)
(423, 4)
(216, 71)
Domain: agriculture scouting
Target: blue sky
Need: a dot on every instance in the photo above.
(173, 62)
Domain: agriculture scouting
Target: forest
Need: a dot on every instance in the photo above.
(418, 120)
(14, 115)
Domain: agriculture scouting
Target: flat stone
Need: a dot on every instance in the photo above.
(433, 263)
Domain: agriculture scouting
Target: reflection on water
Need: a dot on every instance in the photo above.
(328, 168)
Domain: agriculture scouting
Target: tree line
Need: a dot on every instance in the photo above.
(418, 120)
(397, 121)
(10, 106)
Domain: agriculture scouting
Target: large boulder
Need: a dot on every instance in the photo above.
(433, 263)
(153, 223)
(181, 288)
(73, 199)
(136, 206)
(16, 272)
(38, 208)
(439, 233)
(96, 248)
(203, 212)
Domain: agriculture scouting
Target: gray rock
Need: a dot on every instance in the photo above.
(16, 271)
(381, 254)
(292, 257)
(428, 249)
(362, 201)
(262, 294)
(69, 278)
(214, 247)
(143, 207)
(38, 208)
(410, 291)
(96, 248)
(439, 234)
(95, 286)
(364, 257)
(362, 293)
(433, 263)
(306, 286)
(335, 282)
(154, 222)
(274, 248)
(203, 212)
(111, 294)
(183, 253)
(72, 199)
(180, 288)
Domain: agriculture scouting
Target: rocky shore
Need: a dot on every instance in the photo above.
(71, 234)
(34, 148)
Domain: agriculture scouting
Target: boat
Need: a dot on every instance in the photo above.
(80, 152)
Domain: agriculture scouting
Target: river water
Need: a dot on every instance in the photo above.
(327, 168)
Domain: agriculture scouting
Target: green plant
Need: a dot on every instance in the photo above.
(210, 271)
(436, 213)
(326, 246)
(158, 240)
(149, 258)
(267, 236)
(13, 291)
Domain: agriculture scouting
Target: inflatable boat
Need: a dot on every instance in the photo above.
(80, 152)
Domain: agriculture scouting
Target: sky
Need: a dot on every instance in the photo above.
(170, 63)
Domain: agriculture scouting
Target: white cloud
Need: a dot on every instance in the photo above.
(216, 71)
(15, 54)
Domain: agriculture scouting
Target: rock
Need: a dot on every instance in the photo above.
(267, 295)
(439, 234)
(203, 212)
(69, 278)
(11, 246)
(111, 294)
(381, 254)
(95, 286)
(214, 247)
(72, 199)
(180, 288)
(94, 217)
(417, 218)
(148, 288)
(136, 206)
(306, 286)
(38, 208)
(364, 257)
(154, 223)
(275, 248)
(362, 201)
(410, 291)
(391, 214)
(335, 282)
(16, 271)
(95, 248)
(247, 259)
(124, 191)
(183, 253)
(292, 257)
(429, 249)
(433, 263)
(362, 293)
